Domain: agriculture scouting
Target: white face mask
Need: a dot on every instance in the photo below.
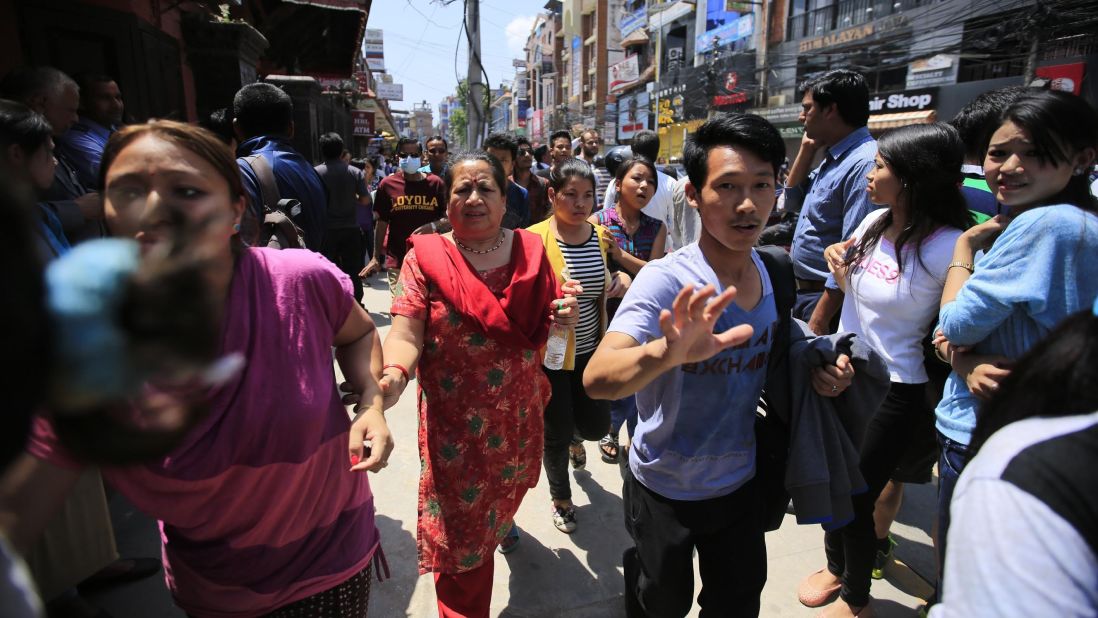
(409, 165)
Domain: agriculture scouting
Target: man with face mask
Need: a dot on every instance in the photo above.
(403, 202)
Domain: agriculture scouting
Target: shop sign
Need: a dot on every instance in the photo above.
(1064, 77)
(850, 35)
(519, 63)
(634, 17)
(362, 123)
(785, 114)
(390, 92)
(373, 49)
(791, 131)
(906, 101)
(940, 70)
(623, 74)
(735, 83)
(633, 113)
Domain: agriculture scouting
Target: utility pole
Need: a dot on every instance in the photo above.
(475, 130)
(762, 55)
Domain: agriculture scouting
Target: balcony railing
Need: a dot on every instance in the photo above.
(844, 14)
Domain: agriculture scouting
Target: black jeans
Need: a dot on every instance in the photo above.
(659, 571)
(343, 247)
(570, 412)
(903, 421)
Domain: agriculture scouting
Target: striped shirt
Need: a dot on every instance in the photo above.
(584, 264)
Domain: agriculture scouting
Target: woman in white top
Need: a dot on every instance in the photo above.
(892, 270)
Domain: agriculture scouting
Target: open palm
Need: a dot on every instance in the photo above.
(688, 326)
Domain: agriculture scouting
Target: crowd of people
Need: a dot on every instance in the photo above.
(181, 291)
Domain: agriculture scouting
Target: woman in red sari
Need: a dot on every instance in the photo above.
(472, 309)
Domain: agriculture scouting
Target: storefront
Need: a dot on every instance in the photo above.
(890, 110)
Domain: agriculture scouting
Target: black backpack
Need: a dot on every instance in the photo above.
(277, 230)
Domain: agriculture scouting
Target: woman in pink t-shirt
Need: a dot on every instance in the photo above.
(258, 510)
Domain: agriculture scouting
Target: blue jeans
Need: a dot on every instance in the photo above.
(623, 411)
(952, 461)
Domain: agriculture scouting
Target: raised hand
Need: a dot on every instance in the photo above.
(688, 326)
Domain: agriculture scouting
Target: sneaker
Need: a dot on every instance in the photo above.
(577, 455)
(564, 518)
(883, 559)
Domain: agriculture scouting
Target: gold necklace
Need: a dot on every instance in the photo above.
(498, 244)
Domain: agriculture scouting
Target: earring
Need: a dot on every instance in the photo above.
(1078, 171)
(236, 227)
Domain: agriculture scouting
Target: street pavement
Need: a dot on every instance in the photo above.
(550, 574)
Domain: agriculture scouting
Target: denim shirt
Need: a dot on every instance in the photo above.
(835, 204)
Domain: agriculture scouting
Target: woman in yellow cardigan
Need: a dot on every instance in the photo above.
(577, 250)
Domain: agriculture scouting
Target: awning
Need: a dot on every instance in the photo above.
(636, 37)
(880, 122)
(334, 34)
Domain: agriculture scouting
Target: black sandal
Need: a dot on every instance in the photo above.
(609, 448)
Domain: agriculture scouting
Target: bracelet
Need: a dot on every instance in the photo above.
(403, 370)
(964, 265)
(941, 357)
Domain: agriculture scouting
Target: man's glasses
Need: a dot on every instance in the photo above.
(436, 151)
(525, 151)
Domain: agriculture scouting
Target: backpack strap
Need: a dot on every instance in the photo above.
(268, 187)
(780, 268)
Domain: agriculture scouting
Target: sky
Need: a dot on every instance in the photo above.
(420, 39)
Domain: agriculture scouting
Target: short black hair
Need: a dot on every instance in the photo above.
(522, 140)
(743, 130)
(541, 151)
(220, 123)
(562, 134)
(982, 116)
(466, 156)
(331, 146)
(263, 109)
(86, 80)
(647, 144)
(502, 140)
(438, 138)
(846, 89)
(408, 140)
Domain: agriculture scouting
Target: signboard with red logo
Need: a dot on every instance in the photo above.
(362, 123)
(1064, 77)
(535, 124)
(624, 74)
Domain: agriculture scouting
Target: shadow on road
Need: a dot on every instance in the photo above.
(393, 596)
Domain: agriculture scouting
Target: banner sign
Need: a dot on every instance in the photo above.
(373, 49)
(577, 66)
(734, 30)
(1064, 77)
(633, 18)
(362, 123)
(633, 114)
(390, 92)
(623, 74)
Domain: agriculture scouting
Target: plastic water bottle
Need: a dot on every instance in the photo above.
(557, 345)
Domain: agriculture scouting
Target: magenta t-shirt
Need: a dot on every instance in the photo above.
(257, 507)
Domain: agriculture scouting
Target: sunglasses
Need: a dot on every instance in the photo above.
(525, 151)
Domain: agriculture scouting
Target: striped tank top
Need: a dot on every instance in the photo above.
(584, 264)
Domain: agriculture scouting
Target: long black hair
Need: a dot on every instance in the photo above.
(926, 158)
(632, 162)
(1056, 377)
(1059, 125)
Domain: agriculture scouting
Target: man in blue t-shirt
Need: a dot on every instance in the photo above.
(697, 364)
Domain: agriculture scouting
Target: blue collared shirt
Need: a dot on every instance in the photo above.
(296, 179)
(835, 204)
(83, 145)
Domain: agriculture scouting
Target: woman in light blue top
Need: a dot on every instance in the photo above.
(1038, 271)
